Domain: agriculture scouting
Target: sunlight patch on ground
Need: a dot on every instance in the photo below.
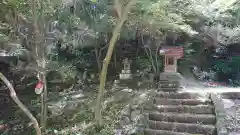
(210, 90)
(202, 99)
(228, 103)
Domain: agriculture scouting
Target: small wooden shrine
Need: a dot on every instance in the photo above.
(171, 55)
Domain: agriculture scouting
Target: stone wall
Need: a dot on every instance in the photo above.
(220, 114)
(227, 113)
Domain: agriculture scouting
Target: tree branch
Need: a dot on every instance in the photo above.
(20, 104)
(118, 8)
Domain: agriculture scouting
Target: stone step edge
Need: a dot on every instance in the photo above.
(183, 118)
(177, 123)
(167, 132)
(175, 95)
(179, 114)
(157, 101)
(182, 106)
(177, 99)
(157, 109)
(183, 127)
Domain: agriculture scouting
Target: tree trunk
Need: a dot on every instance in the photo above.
(97, 52)
(156, 59)
(20, 104)
(152, 60)
(43, 102)
(148, 51)
(115, 59)
(115, 35)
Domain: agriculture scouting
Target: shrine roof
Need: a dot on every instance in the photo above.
(172, 50)
(171, 47)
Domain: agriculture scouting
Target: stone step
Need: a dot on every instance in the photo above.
(198, 109)
(168, 89)
(183, 127)
(163, 85)
(190, 102)
(183, 118)
(231, 95)
(174, 95)
(165, 132)
(167, 82)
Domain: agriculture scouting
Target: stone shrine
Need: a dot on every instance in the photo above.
(171, 55)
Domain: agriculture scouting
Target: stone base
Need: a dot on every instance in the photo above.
(126, 72)
(124, 76)
(175, 76)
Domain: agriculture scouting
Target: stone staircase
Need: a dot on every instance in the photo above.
(173, 113)
(169, 86)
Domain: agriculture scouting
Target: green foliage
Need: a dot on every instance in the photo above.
(4, 31)
(158, 15)
(67, 70)
(222, 66)
(3, 38)
(227, 67)
(143, 62)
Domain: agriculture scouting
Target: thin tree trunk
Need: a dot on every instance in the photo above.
(42, 111)
(98, 59)
(43, 102)
(152, 60)
(156, 59)
(41, 63)
(149, 55)
(45, 94)
(99, 54)
(115, 35)
(115, 59)
(20, 104)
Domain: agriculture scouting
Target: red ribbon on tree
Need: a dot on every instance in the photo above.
(39, 87)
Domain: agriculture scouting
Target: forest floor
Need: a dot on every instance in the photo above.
(71, 112)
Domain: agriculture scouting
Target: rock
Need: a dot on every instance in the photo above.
(68, 102)
(126, 111)
(134, 107)
(133, 130)
(57, 108)
(124, 121)
(222, 131)
(228, 103)
(128, 72)
(116, 83)
(143, 120)
(127, 90)
(234, 133)
(77, 96)
(118, 132)
(135, 115)
(125, 76)
(121, 96)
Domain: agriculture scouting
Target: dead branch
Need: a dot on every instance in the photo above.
(20, 104)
